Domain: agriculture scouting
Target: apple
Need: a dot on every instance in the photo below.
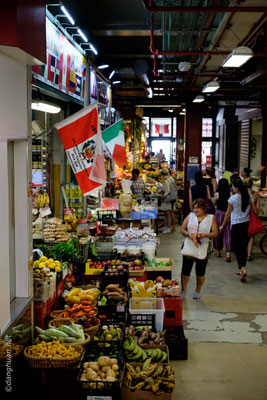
(159, 279)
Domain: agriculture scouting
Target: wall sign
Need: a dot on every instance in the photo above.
(65, 67)
(192, 169)
(193, 160)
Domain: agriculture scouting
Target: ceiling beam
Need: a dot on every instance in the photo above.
(144, 32)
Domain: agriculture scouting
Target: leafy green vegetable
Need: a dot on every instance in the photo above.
(66, 251)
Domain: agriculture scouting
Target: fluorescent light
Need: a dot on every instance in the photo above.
(93, 49)
(182, 113)
(45, 107)
(115, 82)
(210, 87)
(238, 57)
(111, 75)
(82, 35)
(198, 99)
(150, 93)
(103, 66)
(170, 110)
(67, 15)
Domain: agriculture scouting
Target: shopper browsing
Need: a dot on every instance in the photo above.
(199, 228)
(221, 200)
(249, 184)
(238, 209)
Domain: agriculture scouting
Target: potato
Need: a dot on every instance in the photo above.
(86, 365)
(83, 379)
(110, 373)
(110, 379)
(92, 375)
(93, 385)
(103, 361)
(115, 367)
(105, 369)
(113, 361)
(93, 365)
(102, 374)
(100, 386)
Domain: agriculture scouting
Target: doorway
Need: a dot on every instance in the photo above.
(165, 145)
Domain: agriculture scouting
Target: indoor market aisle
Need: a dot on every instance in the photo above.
(226, 329)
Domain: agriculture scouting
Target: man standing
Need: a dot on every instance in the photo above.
(138, 185)
(161, 156)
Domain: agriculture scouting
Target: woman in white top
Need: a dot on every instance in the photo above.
(239, 210)
(201, 227)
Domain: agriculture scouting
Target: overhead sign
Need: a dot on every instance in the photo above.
(65, 67)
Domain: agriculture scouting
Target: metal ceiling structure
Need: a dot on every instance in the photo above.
(144, 42)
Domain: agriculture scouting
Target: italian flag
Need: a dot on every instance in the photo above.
(113, 138)
(81, 137)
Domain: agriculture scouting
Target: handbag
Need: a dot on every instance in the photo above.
(255, 225)
(172, 195)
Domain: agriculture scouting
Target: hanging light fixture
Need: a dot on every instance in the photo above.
(237, 57)
(116, 82)
(198, 99)
(45, 107)
(103, 66)
(210, 87)
(111, 75)
(67, 14)
(93, 49)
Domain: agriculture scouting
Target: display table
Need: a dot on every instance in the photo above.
(136, 222)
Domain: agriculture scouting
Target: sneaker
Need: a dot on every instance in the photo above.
(167, 230)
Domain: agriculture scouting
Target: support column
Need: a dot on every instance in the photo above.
(264, 150)
(180, 127)
(193, 140)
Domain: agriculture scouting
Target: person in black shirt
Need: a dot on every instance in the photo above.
(221, 200)
(198, 191)
(209, 179)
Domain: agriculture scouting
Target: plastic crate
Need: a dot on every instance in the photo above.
(173, 311)
(83, 253)
(107, 347)
(106, 255)
(113, 312)
(142, 320)
(149, 305)
(108, 277)
(98, 389)
(177, 343)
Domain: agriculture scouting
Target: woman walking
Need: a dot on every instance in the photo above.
(221, 200)
(249, 184)
(199, 191)
(238, 209)
(198, 228)
(210, 181)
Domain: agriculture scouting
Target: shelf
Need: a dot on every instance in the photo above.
(17, 308)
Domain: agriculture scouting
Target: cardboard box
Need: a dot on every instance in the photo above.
(173, 292)
(127, 394)
(159, 269)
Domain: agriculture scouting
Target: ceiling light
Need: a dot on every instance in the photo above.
(111, 75)
(45, 107)
(182, 113)
(251, 77)
(170, 110)
(67, 15)
(82, 35)
(238, 57)
(115, 82)
(198, 99)
(93, 49)
(210, 87)
(150, 93)
(103, 66)
(184, 66)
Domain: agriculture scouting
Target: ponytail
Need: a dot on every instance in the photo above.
(244, 193)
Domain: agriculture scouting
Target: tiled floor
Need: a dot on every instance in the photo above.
(226, 329)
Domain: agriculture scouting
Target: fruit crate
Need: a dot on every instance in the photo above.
(98, 389)
(108, 347)
(111, 277)
(149, 305)
(113, 313)
(177, 343)
(173, 311)
(106, 255)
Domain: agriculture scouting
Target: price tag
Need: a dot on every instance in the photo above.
(120, 308)
(44, 211)
(99, 398)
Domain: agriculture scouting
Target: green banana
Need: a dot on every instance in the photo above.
(164, 357)
(136, 356)
(159, 355)
(146, 363)
(132, 344)
(154, 354)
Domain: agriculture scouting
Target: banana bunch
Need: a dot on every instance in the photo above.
(42, 200)
(133, 352)
(154, 377)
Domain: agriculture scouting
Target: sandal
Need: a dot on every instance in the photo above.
(183, 295)
(243, 276)
(238, 272)
(196, 296)
(228, 259)
(249, 258)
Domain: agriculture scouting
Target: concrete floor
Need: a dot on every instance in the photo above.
(226, 329)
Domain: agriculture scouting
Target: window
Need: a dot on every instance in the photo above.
(206, 150)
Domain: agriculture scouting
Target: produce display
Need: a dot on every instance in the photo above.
(65, 333)
(103, 369)
(20, 332)
(13, 348)
(154, 263)
(142, 289)
(113, 294)
(115, 268)
(83, 313)
(145, 336)
(109, 332)
(156, 378)
(50, 263)
(134, 352)
(42, 200)
(160, 283)
(53, 349)
(136, 265)
(77, 295)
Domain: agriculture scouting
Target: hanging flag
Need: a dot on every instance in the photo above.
(161, 129)
(81, 137)
(113, 138)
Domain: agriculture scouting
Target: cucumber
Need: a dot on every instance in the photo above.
(69, 331)
(56, 332)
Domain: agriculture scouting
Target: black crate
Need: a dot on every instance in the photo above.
(177, 343)
(113, 313)
(108, 347)
(106, 255)
(142, 320)
(98, 388)
(110, 277)
(130, 258)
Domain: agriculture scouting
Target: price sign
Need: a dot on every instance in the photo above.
(44, 211)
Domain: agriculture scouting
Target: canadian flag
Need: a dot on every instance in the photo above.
(161, 129)
(82, 139)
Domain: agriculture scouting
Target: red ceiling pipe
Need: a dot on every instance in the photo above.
(149, 6)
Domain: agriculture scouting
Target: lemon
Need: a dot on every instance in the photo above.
(50, 260)
(52, 265)
(41, 265)
(57, 269)
(58, 263)
(36, 264)
(43, 259)
(149, 284)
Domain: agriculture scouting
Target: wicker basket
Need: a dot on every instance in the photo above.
(56, 322)
(53, 362)
(54, 314)
(93, 330)
(14, 356)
